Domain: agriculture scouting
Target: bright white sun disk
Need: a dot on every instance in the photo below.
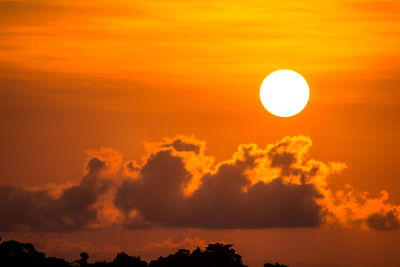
(284, 93)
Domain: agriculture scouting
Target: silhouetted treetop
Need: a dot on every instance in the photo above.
(124, 260)
(16, 254)
(274, 265)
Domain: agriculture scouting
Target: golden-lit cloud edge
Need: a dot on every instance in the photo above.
(179, 185)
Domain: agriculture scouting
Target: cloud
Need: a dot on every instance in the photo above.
(40, 209)
(384, 221)
(232, 194)
(349, 208)
(279, 186)
(178, 185)
(184, 143)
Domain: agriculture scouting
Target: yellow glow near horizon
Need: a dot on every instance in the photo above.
(284, 93)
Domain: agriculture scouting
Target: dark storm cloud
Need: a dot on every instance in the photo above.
(39, 210)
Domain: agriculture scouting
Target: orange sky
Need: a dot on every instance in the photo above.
(79, 75)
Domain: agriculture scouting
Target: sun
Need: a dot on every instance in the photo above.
(284, 93)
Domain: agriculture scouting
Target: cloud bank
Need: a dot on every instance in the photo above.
(179, 185)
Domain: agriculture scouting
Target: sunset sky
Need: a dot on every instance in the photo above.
(146, 116)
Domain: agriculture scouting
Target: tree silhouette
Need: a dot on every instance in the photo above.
(124, 260)
(83, 261)
(222, 255)
(215, 255)
(274, 265)
(16, 254)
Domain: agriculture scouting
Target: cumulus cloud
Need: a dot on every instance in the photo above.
(40, 209)
(178, 185)
(278, 186)
(256, 188)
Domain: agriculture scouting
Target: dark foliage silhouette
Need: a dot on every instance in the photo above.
(215, 255)
(123, 259)
(84, 259)
(16, 254)
(274, 265)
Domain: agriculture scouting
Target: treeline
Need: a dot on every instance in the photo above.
(16, 254)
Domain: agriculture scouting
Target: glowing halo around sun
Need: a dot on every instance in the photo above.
(284, 93)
